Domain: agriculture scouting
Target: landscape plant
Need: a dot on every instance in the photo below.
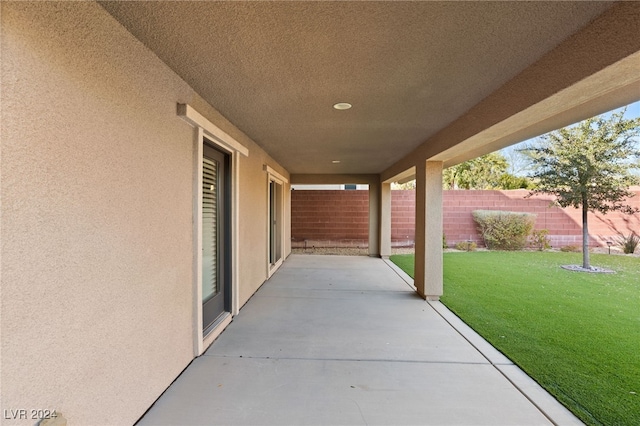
(588, 166)
(629, 243)
(503, 230)
(540, 239)
(466, 246)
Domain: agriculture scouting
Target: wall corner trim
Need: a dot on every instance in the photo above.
(193, 117)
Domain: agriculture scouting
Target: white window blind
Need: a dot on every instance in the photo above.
(210, 194)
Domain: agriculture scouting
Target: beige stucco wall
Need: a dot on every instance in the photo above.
(253, 208)
(97, 192)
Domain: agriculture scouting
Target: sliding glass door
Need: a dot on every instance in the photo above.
(215, 232)
(275, 223)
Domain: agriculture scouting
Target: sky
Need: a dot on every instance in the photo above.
(633, 111)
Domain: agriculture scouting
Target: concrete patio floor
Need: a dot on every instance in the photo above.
(344, 340)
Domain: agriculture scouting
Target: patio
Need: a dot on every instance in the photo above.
(346, 340)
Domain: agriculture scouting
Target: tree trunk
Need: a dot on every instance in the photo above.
(585, 235)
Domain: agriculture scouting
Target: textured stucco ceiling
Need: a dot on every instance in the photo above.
(275, 69)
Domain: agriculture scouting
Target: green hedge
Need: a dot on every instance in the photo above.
(504, 230)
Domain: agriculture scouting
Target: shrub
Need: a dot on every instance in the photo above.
(628, 243)
(570, 248)
(466, 246)
(444, 242)
(540, 240)
(504, 230)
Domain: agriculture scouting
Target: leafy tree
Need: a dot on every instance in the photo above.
(519, 163)
(486, 172)
(404, 186)
(509, 181)
(588, 166)
(480, 173)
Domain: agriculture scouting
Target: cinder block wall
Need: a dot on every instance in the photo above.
(329, 218)
(339, 218)
(564, 224)
(459, 205)
(403, 217)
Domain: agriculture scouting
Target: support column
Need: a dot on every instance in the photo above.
(374, 219)
(428, 257)
(385, 219)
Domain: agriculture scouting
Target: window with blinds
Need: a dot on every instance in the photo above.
(210, 230)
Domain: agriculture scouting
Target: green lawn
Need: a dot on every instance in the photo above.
(577, 334)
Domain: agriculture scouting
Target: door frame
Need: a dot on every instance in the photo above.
(224, 142)
(277, 178)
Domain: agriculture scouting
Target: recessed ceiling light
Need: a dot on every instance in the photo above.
(342, 105)
(335, 161)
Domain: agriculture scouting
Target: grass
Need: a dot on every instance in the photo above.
(576, 334)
